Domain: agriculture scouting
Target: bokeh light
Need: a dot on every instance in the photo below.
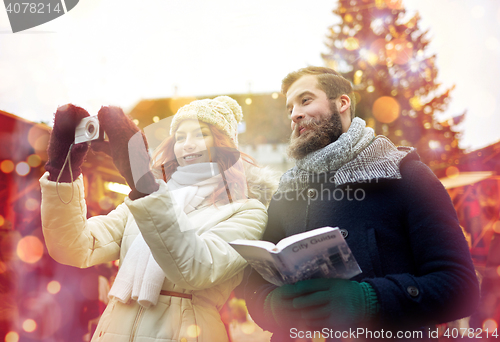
(34, 160)
(247, 327)
(368, 56)
(156, 118)
(2, 220)
(378, 49)
(434, 144)
(32, 204)
(117, 187)
(29, 325)
(22, 168)
(177, 102)
(318, 339)
(496, 227)
(399, 51)
(7, 166)
(46, 312)
(490, 324)
(358, 76)
(105, 203)
(452, 172)
(53, 287)
(193, 330)
(275, 95)
(248, 101)
(351, 44)
(12, 336)
(416, 103)
(30, 249)
(370, 122)
(386, 109)
(377, 26)
(38, 138)
(394, 4)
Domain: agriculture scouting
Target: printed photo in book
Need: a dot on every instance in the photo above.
(319, 253)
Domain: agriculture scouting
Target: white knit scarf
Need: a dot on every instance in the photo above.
(356, 156)
(139, 277)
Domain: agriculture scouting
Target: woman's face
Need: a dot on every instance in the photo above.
(193, 140)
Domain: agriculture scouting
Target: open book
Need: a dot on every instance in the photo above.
(318, 253)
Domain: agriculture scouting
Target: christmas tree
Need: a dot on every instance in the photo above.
(382, 51)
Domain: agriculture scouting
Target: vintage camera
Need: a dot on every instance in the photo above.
(88, 129)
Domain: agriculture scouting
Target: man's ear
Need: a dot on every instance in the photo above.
(345, 112)
(345, 103)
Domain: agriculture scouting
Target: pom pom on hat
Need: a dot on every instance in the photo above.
(222, 112)
(233, 105)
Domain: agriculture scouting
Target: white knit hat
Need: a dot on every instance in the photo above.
(223, 112)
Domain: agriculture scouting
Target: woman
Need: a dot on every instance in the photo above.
(170, 234)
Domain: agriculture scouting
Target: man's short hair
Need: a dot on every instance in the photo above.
(329, 80)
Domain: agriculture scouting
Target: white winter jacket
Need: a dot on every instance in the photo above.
(191, 249)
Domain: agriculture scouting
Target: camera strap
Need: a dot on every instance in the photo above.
(68, 158)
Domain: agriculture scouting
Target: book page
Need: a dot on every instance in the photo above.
(261, 260)
(271, 247)
(284, 243)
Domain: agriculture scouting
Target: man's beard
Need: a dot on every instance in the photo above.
(318, 135)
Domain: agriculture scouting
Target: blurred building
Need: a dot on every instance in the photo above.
(264, 132)
(41, 300)
(474, 187)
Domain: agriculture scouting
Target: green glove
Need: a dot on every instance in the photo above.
(334, 302)
(278, 307)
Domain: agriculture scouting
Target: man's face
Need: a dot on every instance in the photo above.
(316, 120)
(305, 102)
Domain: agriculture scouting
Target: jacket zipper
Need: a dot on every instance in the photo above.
(136, 324)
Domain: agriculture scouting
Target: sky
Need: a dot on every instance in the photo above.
(117, 52)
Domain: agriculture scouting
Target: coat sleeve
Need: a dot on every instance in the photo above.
(444, 286)
(257, 288)
(195, 258)
(71, 238)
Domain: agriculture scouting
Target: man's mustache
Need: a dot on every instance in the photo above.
(308, 125)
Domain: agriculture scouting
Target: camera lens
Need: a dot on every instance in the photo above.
(91, 128)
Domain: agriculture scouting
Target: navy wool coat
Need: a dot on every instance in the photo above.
(404, 234)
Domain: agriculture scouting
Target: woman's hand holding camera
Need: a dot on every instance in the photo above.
(127, 143)
(66, 119)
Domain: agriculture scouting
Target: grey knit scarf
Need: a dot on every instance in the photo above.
(356, 156)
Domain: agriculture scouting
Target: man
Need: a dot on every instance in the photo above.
(394, 213)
